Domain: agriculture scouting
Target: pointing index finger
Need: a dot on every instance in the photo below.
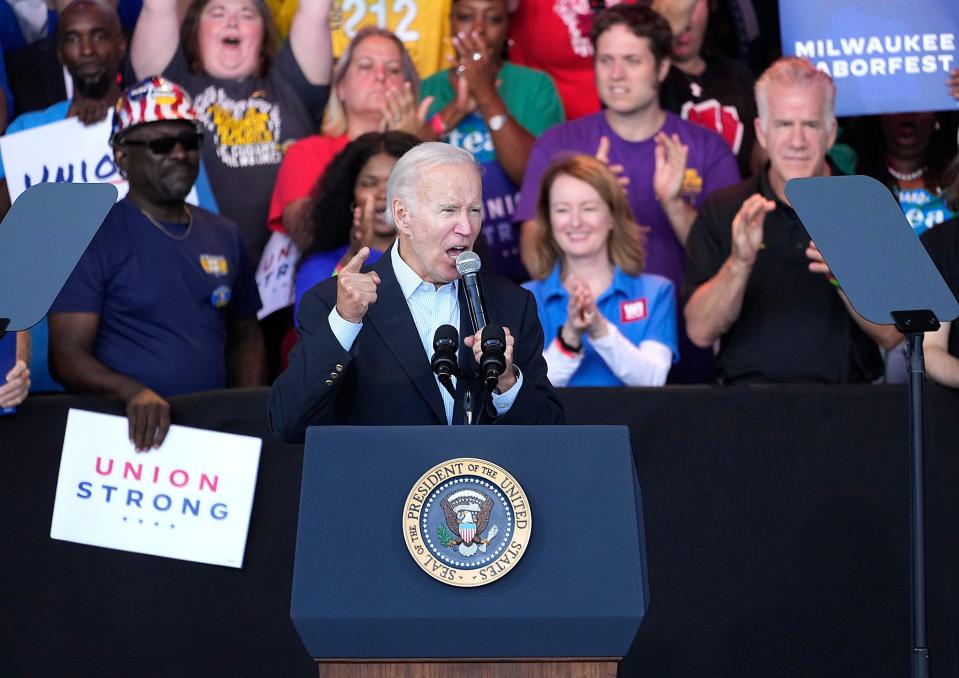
(354, 264)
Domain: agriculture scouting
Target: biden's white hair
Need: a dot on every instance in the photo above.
(414, 164)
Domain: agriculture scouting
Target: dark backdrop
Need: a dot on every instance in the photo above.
(776, 523)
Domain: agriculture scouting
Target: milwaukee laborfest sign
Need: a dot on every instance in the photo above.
(888, 56)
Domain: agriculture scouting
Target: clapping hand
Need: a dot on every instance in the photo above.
(816, 262)
(748, 228)
(402, 113)
(582, 315)
(475, 63)
(671, 155)
(602, 154)
(361, 235)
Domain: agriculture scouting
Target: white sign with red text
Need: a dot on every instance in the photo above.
(276, 273)
(191, 499)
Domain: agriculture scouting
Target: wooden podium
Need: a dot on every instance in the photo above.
(469, 668)
(570, 607)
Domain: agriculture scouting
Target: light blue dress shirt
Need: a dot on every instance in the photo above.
(431, 308)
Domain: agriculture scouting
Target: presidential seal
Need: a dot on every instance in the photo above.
(467, 522)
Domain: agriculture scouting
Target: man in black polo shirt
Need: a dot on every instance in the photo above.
(752, 279)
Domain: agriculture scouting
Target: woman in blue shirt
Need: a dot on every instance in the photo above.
(606, 323)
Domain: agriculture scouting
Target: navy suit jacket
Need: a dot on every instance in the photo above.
(385, 379)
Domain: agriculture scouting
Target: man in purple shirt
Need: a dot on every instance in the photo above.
(668, 165)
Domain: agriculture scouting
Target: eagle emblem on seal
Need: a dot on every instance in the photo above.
(467, 515)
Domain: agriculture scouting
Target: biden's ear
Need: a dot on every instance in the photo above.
(401, 216)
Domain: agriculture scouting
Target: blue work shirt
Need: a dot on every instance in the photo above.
(642, 307)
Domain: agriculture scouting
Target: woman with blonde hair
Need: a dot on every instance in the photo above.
(606, 322)
(375, 89)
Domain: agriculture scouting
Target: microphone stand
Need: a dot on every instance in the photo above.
(447, 383)
(913, 324)
(446, 379)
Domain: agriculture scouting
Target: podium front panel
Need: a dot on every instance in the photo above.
(580, 589)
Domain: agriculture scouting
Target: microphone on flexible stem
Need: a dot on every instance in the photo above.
(446, 343)
(493, 361)
(493, 339)
(468, 264)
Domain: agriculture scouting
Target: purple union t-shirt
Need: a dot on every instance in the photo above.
(710, 165)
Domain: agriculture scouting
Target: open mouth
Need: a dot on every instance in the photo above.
(231, 41)
(454, 252)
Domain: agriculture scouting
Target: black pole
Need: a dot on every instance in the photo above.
(920, 653)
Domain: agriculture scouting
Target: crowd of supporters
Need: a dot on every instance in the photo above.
(633, 154)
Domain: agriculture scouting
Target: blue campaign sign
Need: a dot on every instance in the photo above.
(891, 56)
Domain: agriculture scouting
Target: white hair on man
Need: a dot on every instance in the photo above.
(795, 72)
(408, 170)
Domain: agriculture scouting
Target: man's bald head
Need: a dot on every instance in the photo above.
(91, 45)
(61, 5)
(107, 12)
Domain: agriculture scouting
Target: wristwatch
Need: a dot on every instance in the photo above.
(568, 347)
(496, 123)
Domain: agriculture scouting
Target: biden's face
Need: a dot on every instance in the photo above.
(441, 222)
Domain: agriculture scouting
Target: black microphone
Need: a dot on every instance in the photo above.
(468, 264)
(493, 360)
(446, 343)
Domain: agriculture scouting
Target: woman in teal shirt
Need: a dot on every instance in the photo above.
(495, 110)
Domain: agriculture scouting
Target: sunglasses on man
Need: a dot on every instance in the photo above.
(163, 145)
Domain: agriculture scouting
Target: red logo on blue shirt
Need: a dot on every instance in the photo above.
(631, 311)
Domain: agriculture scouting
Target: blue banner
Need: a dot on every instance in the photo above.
(885, 56)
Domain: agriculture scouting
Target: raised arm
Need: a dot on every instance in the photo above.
(716, 304)
(155, 38)
(310, 40)
(670, 155)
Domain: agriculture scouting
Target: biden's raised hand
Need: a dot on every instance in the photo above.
(355, 291)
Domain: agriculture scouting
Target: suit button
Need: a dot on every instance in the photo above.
(333, 375)
(328, 382)
(339, 368)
